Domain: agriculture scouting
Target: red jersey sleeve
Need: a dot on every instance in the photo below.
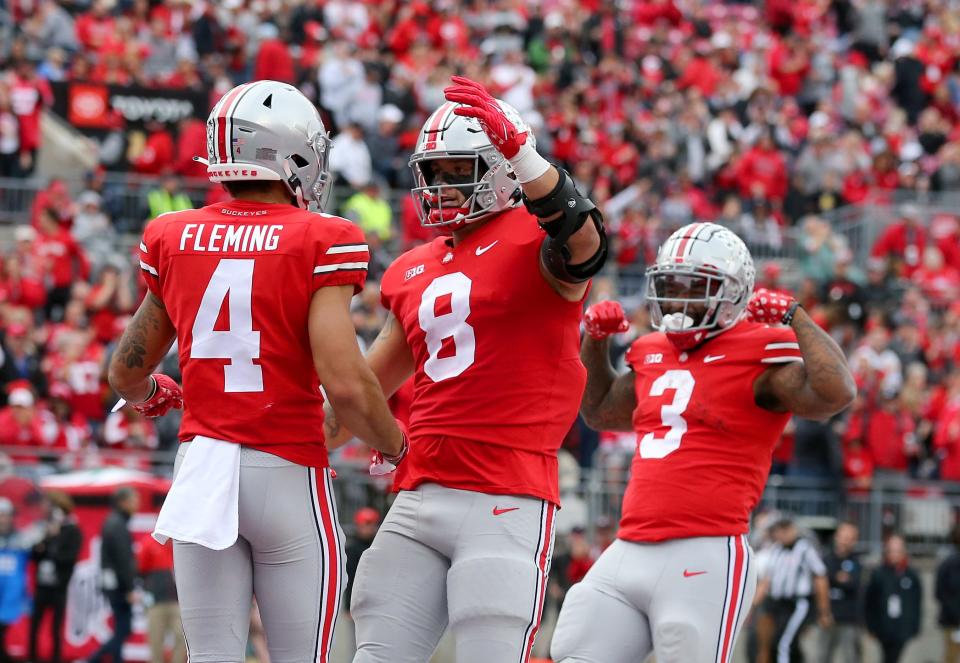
(779, 346)
(341, 257)
(150, 256)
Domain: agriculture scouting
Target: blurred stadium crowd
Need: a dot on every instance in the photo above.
(767, 118)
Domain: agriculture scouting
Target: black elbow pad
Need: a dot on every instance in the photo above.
(574, 209)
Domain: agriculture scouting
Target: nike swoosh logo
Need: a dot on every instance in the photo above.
(709, 358)
(497, 511)
(690, 574)
(483, 249)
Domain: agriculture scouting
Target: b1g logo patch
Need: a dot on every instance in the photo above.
(654, 358)
(413, 271)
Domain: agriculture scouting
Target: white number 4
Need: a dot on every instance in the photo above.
(671, 414)
(240, 344)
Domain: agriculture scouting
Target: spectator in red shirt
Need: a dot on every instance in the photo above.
(702, 73)
(65, 259)
(95, 27)
(17, 288)
(411, 26)
(28, 95)
(889, 435)
(20, 423)
(78, 362)
(939, 282)
(762, 171)
(157, 153)
(108, 299)
(191, 142)
(946, 437)
(653, 12)
(790, 64)
(273, 61)
(902, 243)
(55, 197)
(858, 466)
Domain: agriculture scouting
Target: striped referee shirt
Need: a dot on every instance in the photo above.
(791, 570)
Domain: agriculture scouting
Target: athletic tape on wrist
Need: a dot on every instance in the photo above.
(528, 165)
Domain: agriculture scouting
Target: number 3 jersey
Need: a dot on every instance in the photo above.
(237, 280)
(704, 447)
(498, 375)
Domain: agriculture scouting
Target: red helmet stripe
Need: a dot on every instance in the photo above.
(221, 121)
(436, 121)
(687, 236)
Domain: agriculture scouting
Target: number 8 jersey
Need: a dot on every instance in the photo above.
(237, 280)
(704, 447)
(498, 376)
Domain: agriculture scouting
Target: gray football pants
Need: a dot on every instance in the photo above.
(685, 599)
(289, 555)
(475, 561)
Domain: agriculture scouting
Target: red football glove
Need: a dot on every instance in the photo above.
(605, 318)
(381, 464)
(769, 306)
(166, 396)
(479, 104)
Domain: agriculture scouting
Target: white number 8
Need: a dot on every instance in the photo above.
(671, 414)
(452, 324)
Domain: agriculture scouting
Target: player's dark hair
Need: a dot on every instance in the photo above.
(249, 187)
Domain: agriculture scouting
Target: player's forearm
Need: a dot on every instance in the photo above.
(601, 375)
(359, 404)
(143, 345)
(335, 434)
(826, 372)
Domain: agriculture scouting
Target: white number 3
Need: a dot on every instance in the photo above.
(452, 324)
(671, 414)
(233, 279)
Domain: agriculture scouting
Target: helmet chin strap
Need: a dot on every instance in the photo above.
(293, 183)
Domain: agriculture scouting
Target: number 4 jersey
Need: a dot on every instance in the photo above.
(498, 374)
(704, 447)
(237, 280)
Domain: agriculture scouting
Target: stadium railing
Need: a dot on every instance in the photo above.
(923, 511)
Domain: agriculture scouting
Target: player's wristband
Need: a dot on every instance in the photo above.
(396, 460)
(528, 165)
(792, 311)
(153, 390)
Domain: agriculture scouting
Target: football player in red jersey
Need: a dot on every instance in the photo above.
(708, 396)
(487, 320)
(256, 292)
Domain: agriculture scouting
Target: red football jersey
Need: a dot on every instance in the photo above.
(704, 446)
(498, 379)
(237, 279)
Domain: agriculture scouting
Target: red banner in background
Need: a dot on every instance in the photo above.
(88, 106)
(87, 621)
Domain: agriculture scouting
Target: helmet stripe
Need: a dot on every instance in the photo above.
(687, 236)
(435, 122)
(230, 115)
(221, 122)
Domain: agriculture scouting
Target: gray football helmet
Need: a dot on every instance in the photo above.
(269, 130)
(700, 283)
(492, 188)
